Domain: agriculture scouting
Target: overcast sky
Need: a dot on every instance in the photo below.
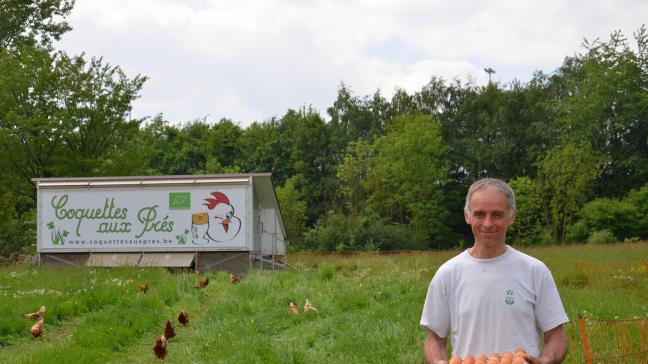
(250, 60)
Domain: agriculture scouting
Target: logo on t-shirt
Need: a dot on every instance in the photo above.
(509, 297)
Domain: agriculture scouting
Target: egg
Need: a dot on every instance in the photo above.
(481, 357)
(507, 358)
(519, 360)
(520, 351)
(455, 360)
(468, 360)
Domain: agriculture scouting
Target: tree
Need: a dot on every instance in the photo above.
(17, 230)
(63, 116)
(354, 118)
(527, 228)
(409, 173)
(607, 107)
(565, 178)
(293, 210)
(305, 138)
(352, 176)
(33, 22)
(223, 142)
(262, 151)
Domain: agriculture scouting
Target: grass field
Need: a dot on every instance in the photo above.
(369, 307)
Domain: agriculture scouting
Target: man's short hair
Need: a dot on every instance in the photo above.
(498, 185)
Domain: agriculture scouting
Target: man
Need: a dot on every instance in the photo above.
(491, 297)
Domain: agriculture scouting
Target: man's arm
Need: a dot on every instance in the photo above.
(434, 349)
(554, 349)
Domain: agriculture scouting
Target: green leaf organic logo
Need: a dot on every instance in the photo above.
(179, 201)
(57, 236)
(182, 238)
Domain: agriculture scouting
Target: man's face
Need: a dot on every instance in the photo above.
(489, 217)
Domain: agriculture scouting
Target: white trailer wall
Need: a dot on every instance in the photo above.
(144, 218)
(80, 220)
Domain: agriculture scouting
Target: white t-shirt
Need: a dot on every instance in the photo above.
(493, 305)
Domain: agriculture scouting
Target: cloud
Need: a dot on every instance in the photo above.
(251, 60)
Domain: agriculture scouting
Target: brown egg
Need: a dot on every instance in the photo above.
(479, 361)
(495, 356)
(492, 360)
(519, 360)
(455, 360)
(468, 360)
(507, 358)
(520, 351)
(481, 357)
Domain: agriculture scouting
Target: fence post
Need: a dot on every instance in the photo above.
(581, 324)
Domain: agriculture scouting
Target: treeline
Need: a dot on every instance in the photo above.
(374, 173)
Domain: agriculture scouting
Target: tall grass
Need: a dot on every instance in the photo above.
(369, 305)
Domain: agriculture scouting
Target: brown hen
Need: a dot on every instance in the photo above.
(183, 317)
(160, 348)
(203, 283)
(308, 307)
(169, 331)
(293, 309)
(234, 279)
(35, 315)
(38, 328)
(143, 288)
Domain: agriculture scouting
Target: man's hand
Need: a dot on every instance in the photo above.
(533, 360)
(554, 349)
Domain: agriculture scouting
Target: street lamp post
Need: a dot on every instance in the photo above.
(490, 71)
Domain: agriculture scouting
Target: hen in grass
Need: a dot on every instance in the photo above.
(35, 315)
(234, 279)
(308, 307)
(143, 288)
(203, 283)
(38, 328)
(160, 348)
(293, 309)
(183, 317)
(169, 331)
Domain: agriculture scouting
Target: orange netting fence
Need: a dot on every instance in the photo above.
(594, 341)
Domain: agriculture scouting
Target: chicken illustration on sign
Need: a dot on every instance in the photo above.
(218, 224)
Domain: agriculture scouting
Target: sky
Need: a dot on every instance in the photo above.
(251, 60)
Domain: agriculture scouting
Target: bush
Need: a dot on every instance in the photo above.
(547, 237)
(638, 199)
(577, 233)
(17, 231)
(618, 217)
(602, 237)
(391, 237)
(329, 231)
(337, 232)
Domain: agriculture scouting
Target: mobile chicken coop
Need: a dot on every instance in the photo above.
(206, 222)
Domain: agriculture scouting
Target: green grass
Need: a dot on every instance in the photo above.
(369, 307)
